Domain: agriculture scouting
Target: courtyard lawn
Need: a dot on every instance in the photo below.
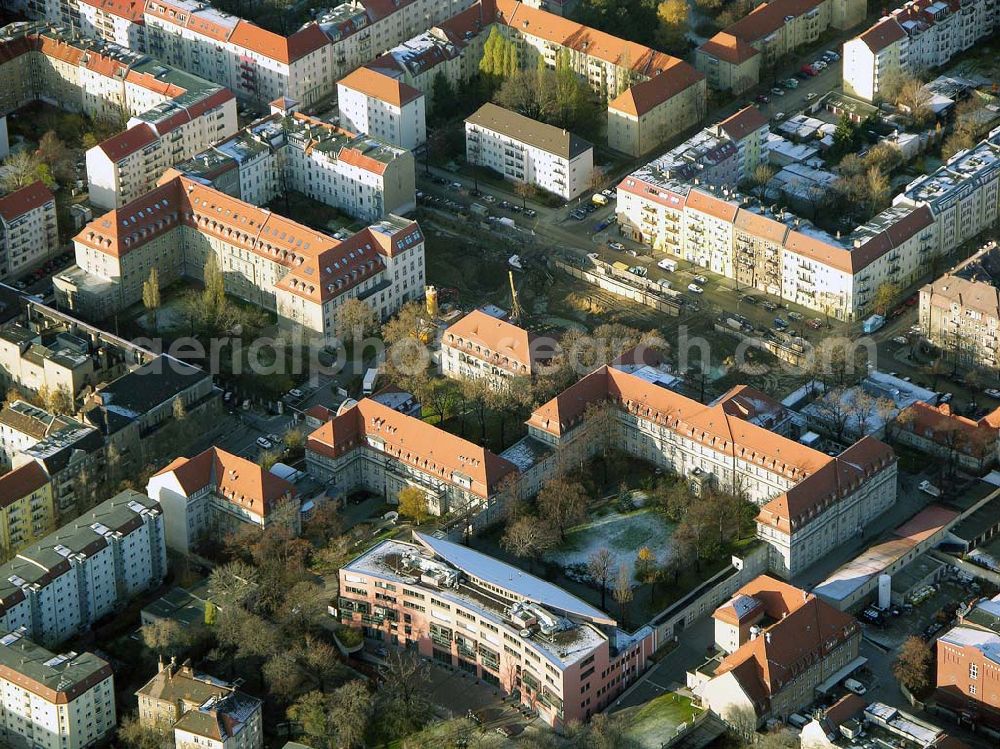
(657, 721)
(622, 533)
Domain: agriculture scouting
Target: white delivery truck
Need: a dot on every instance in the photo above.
(368, 384)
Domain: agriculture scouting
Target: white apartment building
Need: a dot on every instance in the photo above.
(480, 346)
(201, 710)
(49, 701)
(528, 151)
(85, 570)
(358, 174)
(923, 34)
(373, 103)
(118, 21)
(123, 167)
(374, 447)
(215, 493)
(29, 233)
(268, 260)
(741, 443)
(252, 62)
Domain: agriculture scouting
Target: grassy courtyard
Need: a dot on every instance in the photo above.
(656, 722)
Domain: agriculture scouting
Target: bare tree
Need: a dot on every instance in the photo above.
(599, 566)
(528, 538)
(623, 594)
(562, 503)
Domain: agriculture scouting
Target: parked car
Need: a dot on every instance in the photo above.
(780, 324)
(749, 299)
(530, 212)
(264, 442)
(928, 488)
(818, 65)
(617, 246)
(801, 76)
(608, 194)
(815, 323)
(602, 225)
(700, 280)
(762, 99)
(811, 95)
(900, 339)
(853, 685)
(639, 271)
(778, 91)
(579, 214)
(589, 207)
(992, 392)
(831, 55)
(795, 316)
(808, 70)
(790, 83)
(296, 393)
(769, 305)
(695, 288)
(490, 198)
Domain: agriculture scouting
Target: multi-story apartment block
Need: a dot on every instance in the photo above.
(923, 34)
(360, 30)
(123, 167)
(963, 194)
(651, 95)
(957, 440)
(71, 457)
(566, 659)
(528, 151)
(374, 103)
(49, 701)
(201, 710)
(268, 260)
(85, 570)
(960, 311)
(121, 22)
(810, 502)
(968, 665)
(29, 233)
(215, 493)
(374, 447)
(27, 507)
(788, 256)
(780, 643)
(361, 175)
(733, 58)
(480, 346)
(255, 64)
(170, 114)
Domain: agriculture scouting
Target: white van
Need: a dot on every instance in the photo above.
(668, 265)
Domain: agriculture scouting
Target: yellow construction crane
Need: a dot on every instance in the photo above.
(515, 306)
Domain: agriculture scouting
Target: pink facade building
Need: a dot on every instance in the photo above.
(447, 602)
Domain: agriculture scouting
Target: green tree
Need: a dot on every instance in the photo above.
(214, 295)
(674, 24)
(885, 295)
(413, 504)
(443, 97)
(311, 712)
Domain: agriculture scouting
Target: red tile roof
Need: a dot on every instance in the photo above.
(131, 10)
(885, 32)
(495, 341)
(767, 18)
(376, 85)
(128, 142)
(806, 630)
(285, 50)
(27, 198)
(645, 96)
(237, 479)
(21, 482)
(748, 120)
(728, 48)
(412, 442)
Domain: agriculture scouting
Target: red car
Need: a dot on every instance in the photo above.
(912, 300)
(809, 70)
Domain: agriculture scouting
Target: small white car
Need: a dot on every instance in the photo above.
(700, 279)
(852, 685)
(667, 264)
(900, 339)
(695, 288)
(811, 95)
(992, 392)
(296, 393)
(264, 442)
